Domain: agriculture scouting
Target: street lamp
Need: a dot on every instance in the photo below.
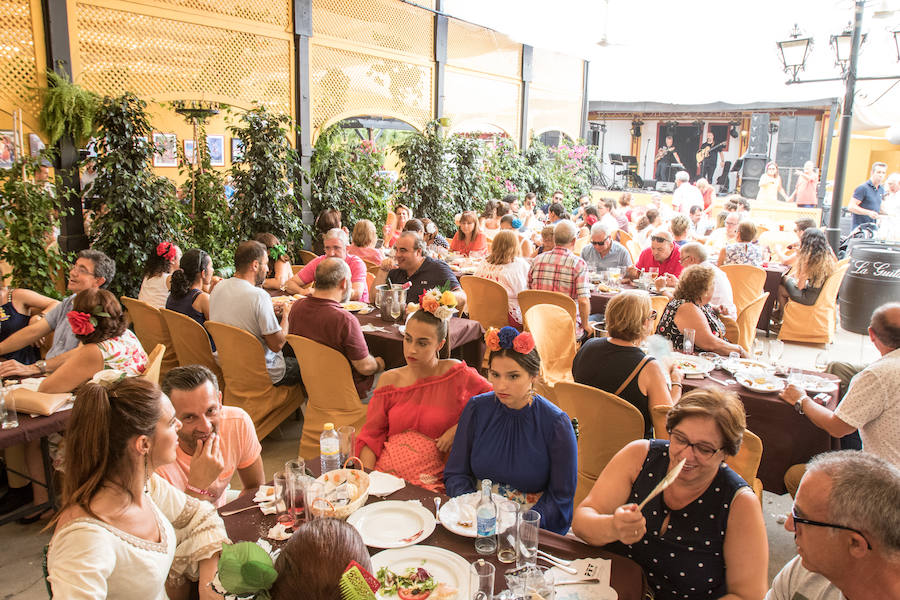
(794, 52)
(896, 34)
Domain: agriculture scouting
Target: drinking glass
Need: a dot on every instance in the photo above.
(295, 484)
(347, 434)
(8, 417)
(317, 507)
(282, 495)
(822, 360)
(481, 580)
(529, 530)
(395, 309)
(759, 349)
(296, 466)
(539, 584)
(615, 273)
(795, 377)
(654, 272)
(688, 344)
(507, 534)
(776, 350)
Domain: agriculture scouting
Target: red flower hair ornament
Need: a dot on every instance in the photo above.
(508, 338)
(83, 323)
(166, 250)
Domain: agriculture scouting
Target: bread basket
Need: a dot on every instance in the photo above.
(322, 507)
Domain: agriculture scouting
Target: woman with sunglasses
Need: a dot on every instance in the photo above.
(703, 536)
(627, 371)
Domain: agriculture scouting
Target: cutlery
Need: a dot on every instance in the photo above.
(437, 510)
(666, 482)
(556, 558)
(577, 581)
(559, 566)
(234, 512)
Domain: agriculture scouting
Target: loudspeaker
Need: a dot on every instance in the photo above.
(649, 184)
(752, 168)
(665, 186)
(759, 134)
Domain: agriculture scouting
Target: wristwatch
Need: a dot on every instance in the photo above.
(798, 405)
(42, 366)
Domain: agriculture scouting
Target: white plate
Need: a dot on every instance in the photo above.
(354, 306)
(734, 365)
(692, 365)
(392, 523)
(751, 381)
(446, 567)
(450, 513)
(818, 385)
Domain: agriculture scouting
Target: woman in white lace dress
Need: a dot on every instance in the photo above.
(124, 532)
(505, 266)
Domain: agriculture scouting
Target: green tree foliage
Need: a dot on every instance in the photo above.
(29, 213)
(134, 209)
(425, 177)
(345, 174)
(267, 181)
(67, 109)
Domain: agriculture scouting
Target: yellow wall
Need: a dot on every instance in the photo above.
(866, 147)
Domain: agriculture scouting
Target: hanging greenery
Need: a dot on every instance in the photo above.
(67, 109)
(134, 209)
(346, 174)
(267, 181)
(29, 218)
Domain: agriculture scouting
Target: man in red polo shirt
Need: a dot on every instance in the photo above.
(662, 254)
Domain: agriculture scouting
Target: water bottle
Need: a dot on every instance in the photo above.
(330, 449)
(486, 521)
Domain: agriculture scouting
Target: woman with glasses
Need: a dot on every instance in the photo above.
(627, 371)
(703, 536)
(690, 309)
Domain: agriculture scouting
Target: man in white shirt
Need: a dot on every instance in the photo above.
(870, 404)
(694, 253)
(846, 524)
(242, 303)
(686, 194)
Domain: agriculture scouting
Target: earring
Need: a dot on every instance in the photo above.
(146, 470)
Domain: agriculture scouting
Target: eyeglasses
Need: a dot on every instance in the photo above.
(78, 269)
(653, 314)
(659, 239)
(603, 243)
(821, 524)
(700, 448)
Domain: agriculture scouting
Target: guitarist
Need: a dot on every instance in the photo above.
(665, 157)
(710, 155)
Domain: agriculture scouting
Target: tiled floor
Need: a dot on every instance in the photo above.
(20, 552)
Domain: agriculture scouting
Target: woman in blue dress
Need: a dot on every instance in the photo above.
(18, 309)
(516, 438)
(703, 536)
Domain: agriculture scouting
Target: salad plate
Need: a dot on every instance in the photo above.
(759, 381)
(421, 572)
(392, 523)
(458, 514)
(692, 365)
(818, 385)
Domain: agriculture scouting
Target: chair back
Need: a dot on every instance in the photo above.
(747, 283)
(530, 298)
(606, 423)
(623, 237)
(191, 343)
(816, 323)
(732, 331)
(746, 462)
(247, 382)
(580, 243)
(151, 330)
(554, 338)
(634, 249)
(331, 394)
(370, 265)
(487, 301)
(154, 362)
(658, 303)
(748, 319)
(296, 269)
(305, 257)
(843, 261)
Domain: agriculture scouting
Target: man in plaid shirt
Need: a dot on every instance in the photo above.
(561, 270)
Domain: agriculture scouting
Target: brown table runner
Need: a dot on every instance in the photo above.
(626, 576)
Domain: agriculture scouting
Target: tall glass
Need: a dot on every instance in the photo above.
(9, 419)
(481, 580)
(529, 532)
(507, 531)
(347, 435)
(317, 507)
(688, 343)
(283, 513)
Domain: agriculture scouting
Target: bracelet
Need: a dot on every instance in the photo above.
(678, 383)
(39, 316)
(197, 490)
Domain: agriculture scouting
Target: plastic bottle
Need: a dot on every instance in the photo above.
(330, 449)
(486, 521)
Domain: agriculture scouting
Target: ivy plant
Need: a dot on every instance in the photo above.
(134, 209)
(29, 216)
(67, 109)
(346, 174)
(267, 181)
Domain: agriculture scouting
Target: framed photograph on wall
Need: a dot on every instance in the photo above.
(7, 149)
(165, 154)
(190, 147)
(237, 150)
(216, 146)
(35, 144)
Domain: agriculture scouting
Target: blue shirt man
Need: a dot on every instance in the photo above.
(866, 202)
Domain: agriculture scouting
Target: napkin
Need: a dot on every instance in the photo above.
(369, 328)
(587, 568)
(265, 493)
(279, 532)
(384, 484)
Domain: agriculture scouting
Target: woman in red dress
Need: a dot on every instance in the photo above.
(413, 413)
(468, 238)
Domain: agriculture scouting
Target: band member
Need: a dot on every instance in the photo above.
(665, 157)
(709, 163)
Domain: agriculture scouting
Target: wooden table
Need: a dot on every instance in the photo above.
(788, 437)
(33, 428)
(466, 340)
(626, 576)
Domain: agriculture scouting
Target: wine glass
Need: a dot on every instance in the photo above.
(776, 350)
(822, 360)
(759, 349)
(396, 309)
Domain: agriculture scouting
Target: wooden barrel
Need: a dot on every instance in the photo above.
(872, 279)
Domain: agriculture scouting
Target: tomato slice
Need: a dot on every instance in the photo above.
(412, 593)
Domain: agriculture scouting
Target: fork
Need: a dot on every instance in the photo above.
(239, 510)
